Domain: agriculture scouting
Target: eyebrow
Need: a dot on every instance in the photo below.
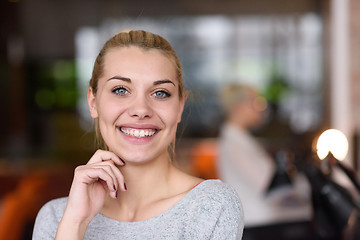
(158, 82)
(120, 78)
(164, 81)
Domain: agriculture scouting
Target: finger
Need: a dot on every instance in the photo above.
(116, 173)
(120, 179)
(103, 183)
(102, 155)
(110, 168)
(107, 182)
(92, 175)
(105, 186)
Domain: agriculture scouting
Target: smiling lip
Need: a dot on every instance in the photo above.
(139, 132)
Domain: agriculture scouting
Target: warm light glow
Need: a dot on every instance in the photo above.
(333, 141)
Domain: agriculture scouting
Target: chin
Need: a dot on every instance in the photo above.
(140, 153)
(137, 157)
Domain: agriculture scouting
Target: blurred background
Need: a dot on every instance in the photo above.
(302, 55)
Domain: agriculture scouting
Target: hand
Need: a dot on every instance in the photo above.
(91, 183)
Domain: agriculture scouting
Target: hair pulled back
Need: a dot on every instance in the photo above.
(142, 39)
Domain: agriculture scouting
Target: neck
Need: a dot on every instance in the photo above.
(146, 183)
(238, 122)
(152, 188)
(146, 180)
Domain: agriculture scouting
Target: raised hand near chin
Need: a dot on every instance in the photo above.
(91, 183)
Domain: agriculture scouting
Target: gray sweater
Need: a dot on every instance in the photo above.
(211, 210)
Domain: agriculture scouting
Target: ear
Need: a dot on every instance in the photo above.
(92, 103)
(181, 109)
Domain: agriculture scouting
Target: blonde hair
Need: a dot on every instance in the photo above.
(144, 40)
(233, 94)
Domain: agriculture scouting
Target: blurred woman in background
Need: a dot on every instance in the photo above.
(245, 164)
(243, 161)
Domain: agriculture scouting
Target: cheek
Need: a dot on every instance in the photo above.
(110, 111)
(173, 117)
(172, 114)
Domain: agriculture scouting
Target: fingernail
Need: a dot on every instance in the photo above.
(114, 187)
(122, 161)
(125, 186)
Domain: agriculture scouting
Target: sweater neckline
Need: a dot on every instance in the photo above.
(177, 205)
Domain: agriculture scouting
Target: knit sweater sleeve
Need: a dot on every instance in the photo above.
(217, 213)
(48, 219)
(230, 222)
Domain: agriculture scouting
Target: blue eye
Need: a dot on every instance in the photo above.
(162, 94)
(119, 91)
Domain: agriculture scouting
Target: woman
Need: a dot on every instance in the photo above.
(243, 162)
(131, 189)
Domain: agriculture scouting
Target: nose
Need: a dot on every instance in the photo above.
(140, 108)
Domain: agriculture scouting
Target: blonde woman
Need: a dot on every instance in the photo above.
(130, 189)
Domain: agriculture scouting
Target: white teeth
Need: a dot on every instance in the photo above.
(138, 133)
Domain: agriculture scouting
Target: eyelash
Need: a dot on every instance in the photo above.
(117, 89)
(165, 94)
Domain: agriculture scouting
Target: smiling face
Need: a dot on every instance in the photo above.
(137, 103)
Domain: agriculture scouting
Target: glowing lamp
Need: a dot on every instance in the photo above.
(333, 145)
(332, 141)
(336, 213)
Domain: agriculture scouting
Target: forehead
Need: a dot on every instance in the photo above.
(136, 61)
